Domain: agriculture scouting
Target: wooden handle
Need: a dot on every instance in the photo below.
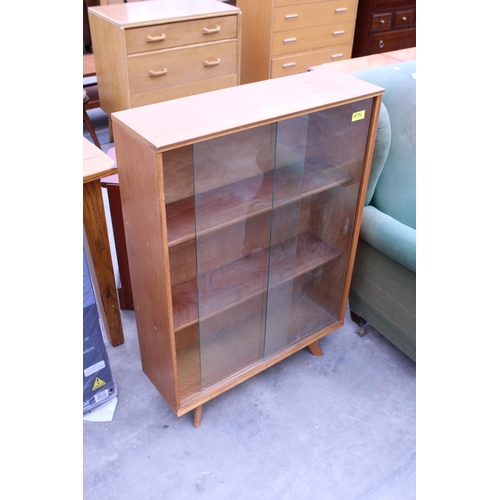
(289, 40)
(211, 63)
(158, 73)
(209, 31)
(291, 16)
(158, 38)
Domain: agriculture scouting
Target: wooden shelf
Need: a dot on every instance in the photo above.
(239, 346)
(248, 277)
(241, 200)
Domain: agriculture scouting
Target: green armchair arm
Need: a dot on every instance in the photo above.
(389, 236)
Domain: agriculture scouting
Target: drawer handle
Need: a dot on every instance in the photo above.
(342, 9)
(289, 40)
(382, 21)
(404, 18)
(336, 33)
(211, 63)
(291, 16)
(158, 73)
(337, 56)
(158, 38)
(380, 44)
(209, 31)
(289, 65)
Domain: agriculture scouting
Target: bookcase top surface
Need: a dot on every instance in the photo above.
(178, 122)
(135, 14)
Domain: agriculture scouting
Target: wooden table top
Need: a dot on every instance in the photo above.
(96, 163)
(359, 63)
(88, 65)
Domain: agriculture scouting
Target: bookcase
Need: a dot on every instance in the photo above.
(241, 210)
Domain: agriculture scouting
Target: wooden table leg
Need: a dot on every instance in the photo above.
(94, 220)
(315, 349)
(198, 414)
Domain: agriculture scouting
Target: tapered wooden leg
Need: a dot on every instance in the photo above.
(198, 414)
(315, 349)
(91, 128)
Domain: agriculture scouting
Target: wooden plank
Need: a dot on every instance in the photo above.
(144, 218)
(137, 14)
(243, 347)
(212, 114)
(241, 200)
(239, 281)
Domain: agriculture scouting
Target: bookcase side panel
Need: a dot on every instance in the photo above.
(143, 204)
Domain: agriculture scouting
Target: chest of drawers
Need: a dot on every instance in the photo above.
(283, 37)
(149, 52)
(384, 25)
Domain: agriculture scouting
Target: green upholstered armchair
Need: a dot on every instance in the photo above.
(384, 278)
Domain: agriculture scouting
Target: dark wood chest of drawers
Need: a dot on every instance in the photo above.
(384, 25)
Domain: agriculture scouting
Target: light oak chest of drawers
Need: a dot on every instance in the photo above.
(149, 52)
(284, 37)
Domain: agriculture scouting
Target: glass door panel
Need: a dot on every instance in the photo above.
(233, 182)
(274, 209)
(305, 293)
(285, 235)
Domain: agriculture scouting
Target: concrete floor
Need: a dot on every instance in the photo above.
(341, 426)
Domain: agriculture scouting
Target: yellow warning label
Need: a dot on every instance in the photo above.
(358, 115)
(98, 383)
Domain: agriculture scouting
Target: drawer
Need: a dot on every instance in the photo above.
(381, 22)
(313, 14)
(183, 90)
(314, 37)
(394, 40)
(164, 36)
(298, 63)
(177, 66)
(379, 5)
(403, 19)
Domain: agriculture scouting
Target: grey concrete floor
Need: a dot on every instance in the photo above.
(341, 426)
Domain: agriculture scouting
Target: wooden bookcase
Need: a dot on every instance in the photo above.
(242, 209)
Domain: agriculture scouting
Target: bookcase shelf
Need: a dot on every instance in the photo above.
(242, 231)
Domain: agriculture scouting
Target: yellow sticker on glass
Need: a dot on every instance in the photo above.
(358, 115)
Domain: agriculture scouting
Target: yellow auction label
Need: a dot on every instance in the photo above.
(98, 383)
(358, 115)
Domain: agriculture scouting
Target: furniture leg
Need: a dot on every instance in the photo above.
(360, 322)
(90, 126)
(95, 226)
(115, 206)
(198, 414)
(110, 127)
(315, 349)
